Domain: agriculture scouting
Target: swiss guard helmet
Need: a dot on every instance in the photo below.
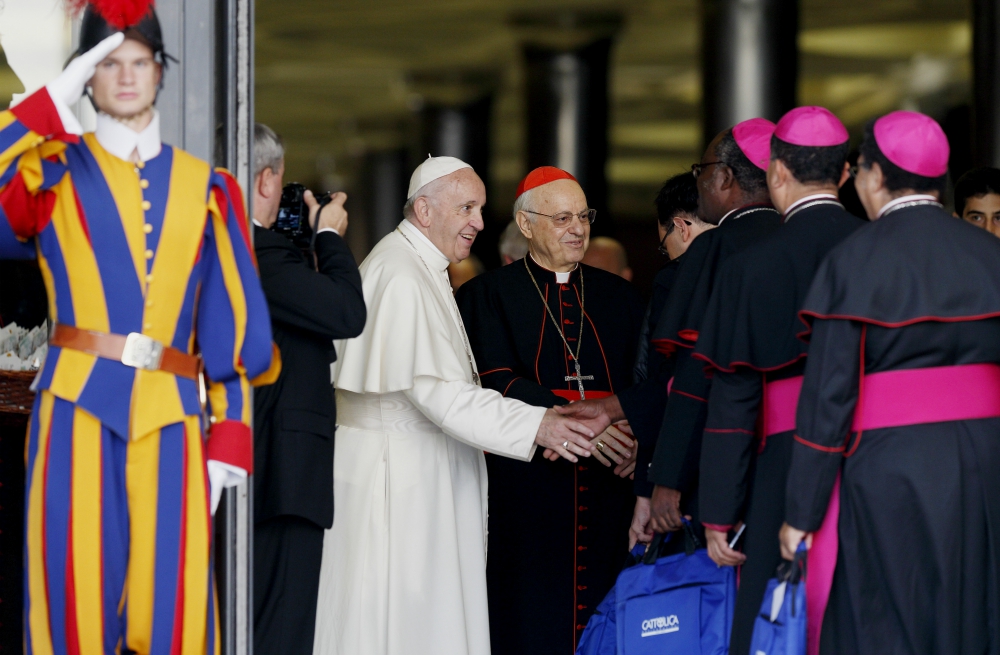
(136, 18)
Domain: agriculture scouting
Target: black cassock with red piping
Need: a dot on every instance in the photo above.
(748, 340)
(675, 459)
(558, 532)
(918, 569)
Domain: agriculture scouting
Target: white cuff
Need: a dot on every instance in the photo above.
(222, 476)
(328, 229)
(71, 124)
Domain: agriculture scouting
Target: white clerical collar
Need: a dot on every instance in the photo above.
(824, 198)
(424, 245)
(914, 199)
(121, 140)
(561, 278)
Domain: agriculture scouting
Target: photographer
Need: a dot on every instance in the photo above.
(294, 419)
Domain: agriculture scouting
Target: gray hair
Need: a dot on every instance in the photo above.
(426, 191)
(521, 204)
(513, 243)
(268, 150)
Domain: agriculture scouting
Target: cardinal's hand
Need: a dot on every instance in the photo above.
(68, 87)
(613, 445)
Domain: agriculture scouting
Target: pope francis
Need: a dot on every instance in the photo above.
(404, 566)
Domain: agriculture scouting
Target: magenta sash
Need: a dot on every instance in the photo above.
(888, 399)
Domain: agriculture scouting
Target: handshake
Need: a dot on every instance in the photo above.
(589, 427)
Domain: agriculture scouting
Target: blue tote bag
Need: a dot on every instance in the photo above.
(680, 604)
(780, 628)
(600, 637)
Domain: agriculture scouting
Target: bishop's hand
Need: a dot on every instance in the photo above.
(596, 414)
(790, 539)
(665, 510)
(564, 437)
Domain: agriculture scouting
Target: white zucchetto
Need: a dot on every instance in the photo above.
(431, 169)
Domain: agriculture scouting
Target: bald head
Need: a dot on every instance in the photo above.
(449, 211)
(608, 255)
(550, 218)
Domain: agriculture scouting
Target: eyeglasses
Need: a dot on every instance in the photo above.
(670, 228)
(696, 169)
(663, 248)
(563, 219)
(853, 171)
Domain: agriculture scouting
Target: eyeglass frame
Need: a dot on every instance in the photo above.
(696, 169)
(662, 249)
(590, 213)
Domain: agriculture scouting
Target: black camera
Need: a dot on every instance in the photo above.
(293, 215)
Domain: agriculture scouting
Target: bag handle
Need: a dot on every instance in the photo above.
(691, 543)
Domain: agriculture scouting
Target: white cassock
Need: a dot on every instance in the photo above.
(404, 566)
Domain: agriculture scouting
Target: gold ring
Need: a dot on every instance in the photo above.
(566, 445)
(600, 445)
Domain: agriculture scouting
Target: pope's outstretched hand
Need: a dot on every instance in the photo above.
(564, 436)
(68, 87)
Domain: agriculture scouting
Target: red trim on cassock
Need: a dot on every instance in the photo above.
(231, 442)
(861, 319)
(574, 396)
(717, 527)
(38, 113)
(495, 370)
(509, 385)
(824, 449)
(27, 213)
(732, 365)
(688, 335)
(731, 431)
(689, 395)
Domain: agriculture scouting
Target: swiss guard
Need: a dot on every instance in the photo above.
(152, 288)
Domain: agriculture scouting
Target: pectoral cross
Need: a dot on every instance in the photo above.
(579, 378)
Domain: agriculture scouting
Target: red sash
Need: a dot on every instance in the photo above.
(574, 396)
(885, 400)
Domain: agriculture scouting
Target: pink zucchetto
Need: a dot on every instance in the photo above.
(754, 139)
(811, 127)
(914, 142)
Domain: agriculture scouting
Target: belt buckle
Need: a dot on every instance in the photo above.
(142, 352)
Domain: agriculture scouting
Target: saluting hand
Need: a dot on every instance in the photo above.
(68, 87)
(665, 510)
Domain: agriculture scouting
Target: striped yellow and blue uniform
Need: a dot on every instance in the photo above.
(118, 528)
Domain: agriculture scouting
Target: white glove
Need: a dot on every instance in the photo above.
(66, 89)
(221, 476)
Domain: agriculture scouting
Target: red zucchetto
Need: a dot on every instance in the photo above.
(754, 139)
(542, 175)
(914, 142)
(811, 127)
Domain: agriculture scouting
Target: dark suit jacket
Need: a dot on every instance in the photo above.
(295, 418)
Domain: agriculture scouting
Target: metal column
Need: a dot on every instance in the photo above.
(749, 61)
(567, 115)
(206, 108)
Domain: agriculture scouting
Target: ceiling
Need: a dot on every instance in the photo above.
(342, 78)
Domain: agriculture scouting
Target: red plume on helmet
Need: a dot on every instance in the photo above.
(120, 14)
